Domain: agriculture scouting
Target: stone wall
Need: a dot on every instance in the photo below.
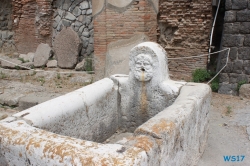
(6, 34)
(78, 15)
(184, 28)
(32, 24)
(236, 36)
(118, 20)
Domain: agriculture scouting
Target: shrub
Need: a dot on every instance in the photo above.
(201, 75)
(215, 84)
(240, 83)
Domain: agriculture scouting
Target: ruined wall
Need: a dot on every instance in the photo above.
(184, 28)
(78, 15)
(118, 20)
(31, 23)
(6, 34)
(236, 35)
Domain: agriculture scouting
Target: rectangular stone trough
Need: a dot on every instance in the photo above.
(70, 129)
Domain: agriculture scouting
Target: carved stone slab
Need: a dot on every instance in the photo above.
(67, 47)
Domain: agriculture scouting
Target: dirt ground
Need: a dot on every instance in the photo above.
(229, 115)
(229, 119)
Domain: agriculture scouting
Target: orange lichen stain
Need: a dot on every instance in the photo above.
(88, 161)
(144, 143)
(163, 126)
(20, 155)
(132, 153)
(34, 142)
(112, 161)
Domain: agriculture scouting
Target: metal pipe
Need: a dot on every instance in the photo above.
(212, 33)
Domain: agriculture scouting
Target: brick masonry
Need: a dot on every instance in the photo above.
(32, 23)
(113, 24)
(7, 44)
(236, 36)
(184, 28)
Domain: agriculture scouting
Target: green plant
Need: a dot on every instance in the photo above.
(88, 64)
(33, 73)
(41, 80)
(215, 84)
(200, 75)
(2, 75)
(23, 61)
(17, 67)
(229, 110)
(240, 83)
(58, 76)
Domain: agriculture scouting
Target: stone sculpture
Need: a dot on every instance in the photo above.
(148, 89)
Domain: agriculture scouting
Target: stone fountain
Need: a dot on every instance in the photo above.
(168, 119)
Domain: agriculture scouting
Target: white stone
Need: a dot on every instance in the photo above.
(84, 5)
(52, 64)
(148, 89)
(28, 57)
(43, 52)
(245, 91)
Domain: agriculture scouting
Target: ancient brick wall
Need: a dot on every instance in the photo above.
(114, 23)
(31, 23)
(184, 28)
(236, 36)
(6, 34)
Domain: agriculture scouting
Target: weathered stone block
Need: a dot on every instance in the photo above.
(84, 5)
(243, 53)
(233, 53)
(230, 89)
(12, 65)
(238, 66)
(70, 16)
(80, 66)
(228, 4)
(242, 77)
(28, 57)
(231, 28)
(77, 12)
(66, 4)
(246, 66)
(74, 4)
(239, 4)
(229, 66)
(232, 40)
(43, 52)
(224, 78)
(245, 91)
(85, 41)
(243, 15)
(247, 40)
(66, 23)
(230, 16)
(89, 12)
(67, 47)
(233, 78)
(52, 64)
(245, 28)
(87, 20)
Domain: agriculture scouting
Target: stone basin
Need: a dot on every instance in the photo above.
(168, 119)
